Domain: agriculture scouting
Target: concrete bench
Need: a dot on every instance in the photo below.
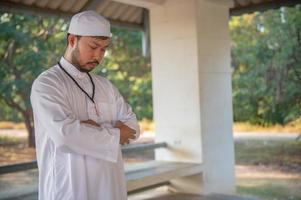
(152, 174)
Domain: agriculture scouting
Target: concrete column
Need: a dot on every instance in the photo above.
(216, 96)
(190, 49)
(175, 77)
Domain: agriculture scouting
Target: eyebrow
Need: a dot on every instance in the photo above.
(100, 45)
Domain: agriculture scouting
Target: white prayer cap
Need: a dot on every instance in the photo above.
(89, 23)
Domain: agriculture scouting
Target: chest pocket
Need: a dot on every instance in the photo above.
(106, 112)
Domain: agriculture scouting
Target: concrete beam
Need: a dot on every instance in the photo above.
(142, 3)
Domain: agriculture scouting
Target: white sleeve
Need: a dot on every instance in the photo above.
(52, 111)
(125, 113)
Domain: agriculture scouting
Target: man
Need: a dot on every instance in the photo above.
(81, 120)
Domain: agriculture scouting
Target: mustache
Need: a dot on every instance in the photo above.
(93, 62)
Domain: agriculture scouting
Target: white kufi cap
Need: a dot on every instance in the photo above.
(89, 23)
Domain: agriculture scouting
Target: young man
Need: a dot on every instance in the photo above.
(81, 120)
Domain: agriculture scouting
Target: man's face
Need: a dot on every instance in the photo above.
(88, 52)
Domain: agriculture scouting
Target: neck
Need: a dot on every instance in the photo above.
(68, 57)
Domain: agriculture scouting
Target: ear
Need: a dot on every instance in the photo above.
(72, 39)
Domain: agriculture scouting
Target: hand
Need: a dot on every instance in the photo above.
(126, 133)
(91, 122)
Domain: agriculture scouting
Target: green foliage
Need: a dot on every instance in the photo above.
(28, 46)
(8, 113)
(31, 44)
(266, 49)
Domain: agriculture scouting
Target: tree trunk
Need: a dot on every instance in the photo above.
(28, 119)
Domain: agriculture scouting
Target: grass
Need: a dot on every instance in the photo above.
(15, 150)
(11, 125)
(270, 189)
(11, 141)
(292, 127)
(286, 154)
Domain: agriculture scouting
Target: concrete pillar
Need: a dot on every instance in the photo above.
(190, 49)
(216, 96)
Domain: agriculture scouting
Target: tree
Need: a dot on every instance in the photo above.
(28, 45)
(266, 49)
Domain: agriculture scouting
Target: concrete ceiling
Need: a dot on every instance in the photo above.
(122, 12)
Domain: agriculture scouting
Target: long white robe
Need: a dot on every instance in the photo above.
(78, 161)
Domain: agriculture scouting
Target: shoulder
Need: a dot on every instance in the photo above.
(50, 77)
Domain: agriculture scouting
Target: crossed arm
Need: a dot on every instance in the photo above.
(126, 133)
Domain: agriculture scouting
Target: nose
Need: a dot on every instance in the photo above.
(98, 54)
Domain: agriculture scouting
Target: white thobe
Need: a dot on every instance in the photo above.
(78, 161)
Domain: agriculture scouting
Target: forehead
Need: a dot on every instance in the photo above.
(100, 41)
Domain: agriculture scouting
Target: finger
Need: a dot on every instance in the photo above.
(96, 124)
(91, 122)
(133, 136)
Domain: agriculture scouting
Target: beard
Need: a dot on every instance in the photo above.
(75, 55)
